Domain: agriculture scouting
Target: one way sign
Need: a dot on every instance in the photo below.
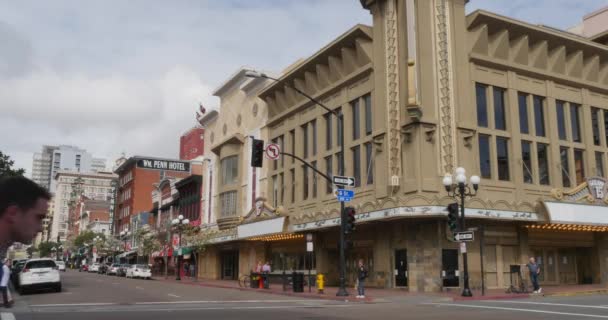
(344, 181)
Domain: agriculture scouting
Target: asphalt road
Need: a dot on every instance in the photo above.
(92, 296)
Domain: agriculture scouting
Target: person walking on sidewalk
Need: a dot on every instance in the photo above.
(534, 272)
(361, 275)
(6, 274)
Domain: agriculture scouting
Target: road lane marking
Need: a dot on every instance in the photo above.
(121, 310)
(7, 316)
(172, 295)
(552, 304)
(228, 301)
(518, 309)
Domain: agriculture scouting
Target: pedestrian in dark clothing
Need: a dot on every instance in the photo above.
(534, 272)
(361, 275)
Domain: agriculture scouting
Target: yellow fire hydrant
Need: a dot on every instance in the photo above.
(320, 283)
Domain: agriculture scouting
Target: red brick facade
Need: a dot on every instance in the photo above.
(191, 144)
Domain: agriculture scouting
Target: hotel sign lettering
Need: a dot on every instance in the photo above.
(154, 164)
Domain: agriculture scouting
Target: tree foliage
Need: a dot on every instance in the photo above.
(147, 242)
(6, 166)
(87, 237)
(46, 248)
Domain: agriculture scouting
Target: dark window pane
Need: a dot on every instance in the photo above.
(543, 163)
(523, 113)
(304, 182)
(368, 114)
(357, 165)
(579, 166)
(482, 105)
(539, 116)
(314, 180)
(274, 163)
(484, 156)
(500, 122)
(606, 125)
(502, 153)
(340, 161)
(595, 125)
(340, 127)
(313, 127)
(328, 131)
(526, 157)
(328, 169)
(282, 146)
(575, 122)
(368, 162)
(282, 187)
(356, 119)
(563, 156)
(293, 185)
(305, 141)
(599, 164)
(561, 120)
(292, 134)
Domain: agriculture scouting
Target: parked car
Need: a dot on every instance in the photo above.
(94, 267)
(39, 274)
(84, 267)
(61, 265)
(139, 271)
(102, 268)
(15, 273)
(113, 269)
(122, 270)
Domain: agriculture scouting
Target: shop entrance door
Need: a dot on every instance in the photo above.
(401, 268)
(449, 269)
(230, 265)
(547, 260)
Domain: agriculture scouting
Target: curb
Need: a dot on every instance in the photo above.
(576, 293)
(282, 293)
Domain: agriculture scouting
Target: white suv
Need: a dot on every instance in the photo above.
(139, 271)
(39, 274)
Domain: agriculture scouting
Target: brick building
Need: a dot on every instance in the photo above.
(191, 144)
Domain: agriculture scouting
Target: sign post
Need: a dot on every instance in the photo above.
(309, 252)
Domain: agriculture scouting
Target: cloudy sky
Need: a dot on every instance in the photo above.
(118, 76)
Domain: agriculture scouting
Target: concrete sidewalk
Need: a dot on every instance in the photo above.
(381, 295)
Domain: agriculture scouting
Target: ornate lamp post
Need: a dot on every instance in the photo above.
(460, 191)
(179, 224)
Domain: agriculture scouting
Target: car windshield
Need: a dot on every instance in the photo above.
(143, 266)
(40, 264)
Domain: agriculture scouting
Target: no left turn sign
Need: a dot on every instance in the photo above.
(273, 151)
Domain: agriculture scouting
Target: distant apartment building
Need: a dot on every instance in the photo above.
(191, 144)
(70, 187)
(68, 158)
(594, 26)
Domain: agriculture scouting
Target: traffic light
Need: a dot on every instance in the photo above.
(257, 153)
(350, 220)
(453, 216)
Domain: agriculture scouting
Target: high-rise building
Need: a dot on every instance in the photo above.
(63, 157)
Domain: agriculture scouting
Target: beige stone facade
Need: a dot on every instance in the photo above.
(424, 90)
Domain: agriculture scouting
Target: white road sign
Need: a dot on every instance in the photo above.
(344, 181)
(273, 151)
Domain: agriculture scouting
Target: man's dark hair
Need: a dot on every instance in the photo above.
(20, 191)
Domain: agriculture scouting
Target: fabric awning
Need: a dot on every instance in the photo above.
(575, 213)
(261, 228)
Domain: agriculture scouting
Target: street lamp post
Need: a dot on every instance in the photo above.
(342, 290)
(179, 224)
(460, 191)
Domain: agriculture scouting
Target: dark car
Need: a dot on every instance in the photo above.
(103, 268)
(122, 270)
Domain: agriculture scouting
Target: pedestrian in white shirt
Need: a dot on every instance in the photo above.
(6, 274)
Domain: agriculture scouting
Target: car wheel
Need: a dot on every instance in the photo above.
(21, 290)
(58, 288)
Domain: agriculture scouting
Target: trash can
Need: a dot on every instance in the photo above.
(255, 280)
(298, 282)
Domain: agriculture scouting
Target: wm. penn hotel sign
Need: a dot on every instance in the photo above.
(594, 190)
(155, 164)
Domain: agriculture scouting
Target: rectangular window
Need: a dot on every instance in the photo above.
(368, 114)
(228, 201)
(561, 120)
(595, 125)
(357, 165)
(482, 105)
(313, 127)
(292, 135)
(539, 115)
(305, 141)
(599, 164)
(274, 163)
(500, 121)
(579, 166)
(275, 191)
(369, 162)
(328, 169)
(282, 146)
(282, 187)
(526, 157)
(606, 125)
(575, 122)
(502, 153)
(340, 126)
(522, 99)
(563, 156)
(305, 183)
(484, 156)
(340, 161)
(328, 131)
(230, 170)
(293, 185)
(314, 180)
(543, 163)
(356, 119)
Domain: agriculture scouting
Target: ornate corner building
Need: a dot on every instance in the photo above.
(424, 90)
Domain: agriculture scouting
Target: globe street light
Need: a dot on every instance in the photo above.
(179, 224)
(460, 191)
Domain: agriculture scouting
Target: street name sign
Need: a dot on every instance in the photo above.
(344, 181)
(464, 236)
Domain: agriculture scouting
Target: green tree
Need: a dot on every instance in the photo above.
(147, 242)
(87, 237)
(6, 166)
(46, 248)
(197, 241)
